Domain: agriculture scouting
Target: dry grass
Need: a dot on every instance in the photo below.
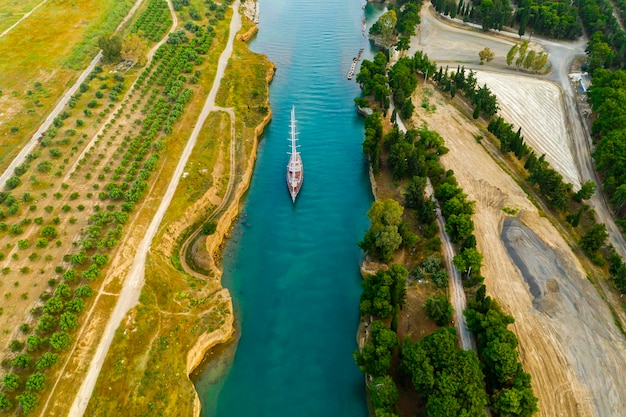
(37, 51)
(145, 370)
(11, 12)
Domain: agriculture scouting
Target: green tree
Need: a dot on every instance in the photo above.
(511, 54)
(28, 401)
(60, 341)
(34, 343)
(414, 194)
(375, 357)
(595, 238)
(529, 59)
(46, 361)
(619, 197)
(23, 360)
(11, 382)
(448, 378)
(469, 261)
(5, 403)
(383, 237)
(586, 191)
(68, 321)
(383, 392)
(111, 48)
(209, 228)
(49, 232)
(516, 401)
(386, 25)
(36, 382)
(85, 291)
(47, 322)
(502, 359)
(384, 292)
(521, 54)
(486, 54)
(459, 226)
(439, 309)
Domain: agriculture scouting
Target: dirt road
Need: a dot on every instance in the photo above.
(22, 18)
(20, 158)
(449, 43)
(131, 290)
(228, 194)
(457, 294)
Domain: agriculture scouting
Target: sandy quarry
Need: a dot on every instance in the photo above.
(568, 341)
(537, 107)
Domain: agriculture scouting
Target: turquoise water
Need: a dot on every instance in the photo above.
(293, 269)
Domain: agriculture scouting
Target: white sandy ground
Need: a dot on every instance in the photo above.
(536, 106)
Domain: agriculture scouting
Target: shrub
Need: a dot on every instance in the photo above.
(11, 382)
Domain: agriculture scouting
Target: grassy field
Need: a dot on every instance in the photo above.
(146, 369)
(12, 11)
(39, 59)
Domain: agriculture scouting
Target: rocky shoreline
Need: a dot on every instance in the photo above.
(214, 246)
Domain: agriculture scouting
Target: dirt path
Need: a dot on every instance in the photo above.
(131, 290)
(22, 18)
(228, 194)
(451, 42)
(457, 294)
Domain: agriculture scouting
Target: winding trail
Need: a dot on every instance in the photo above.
(225, 200)
(133, 284)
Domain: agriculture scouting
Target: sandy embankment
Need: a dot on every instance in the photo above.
(214, 246)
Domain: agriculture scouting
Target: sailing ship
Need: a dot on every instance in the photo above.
(295, 169)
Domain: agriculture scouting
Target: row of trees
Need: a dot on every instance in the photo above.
(447, 378)
(508, 385)
(557, 20)
(525, 58)
(59, 313)
(607, 40)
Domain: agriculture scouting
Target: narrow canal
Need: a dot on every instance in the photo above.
(293, 269)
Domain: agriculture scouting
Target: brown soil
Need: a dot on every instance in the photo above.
(567, 348)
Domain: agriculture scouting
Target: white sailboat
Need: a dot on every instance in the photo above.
(295, 169)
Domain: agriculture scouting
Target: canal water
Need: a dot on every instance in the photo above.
(293, 269)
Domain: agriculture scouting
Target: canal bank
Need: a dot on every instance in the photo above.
(293, 270)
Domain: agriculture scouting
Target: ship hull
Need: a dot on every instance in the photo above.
(295, 176)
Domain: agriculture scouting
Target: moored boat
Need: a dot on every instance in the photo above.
(295, 169)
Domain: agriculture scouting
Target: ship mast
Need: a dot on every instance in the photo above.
(292, 125)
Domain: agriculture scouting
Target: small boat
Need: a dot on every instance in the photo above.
(295, 169)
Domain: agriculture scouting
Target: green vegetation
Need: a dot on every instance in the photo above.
(387, 231)
(507, 383)
(384, 293)
(448, 378)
